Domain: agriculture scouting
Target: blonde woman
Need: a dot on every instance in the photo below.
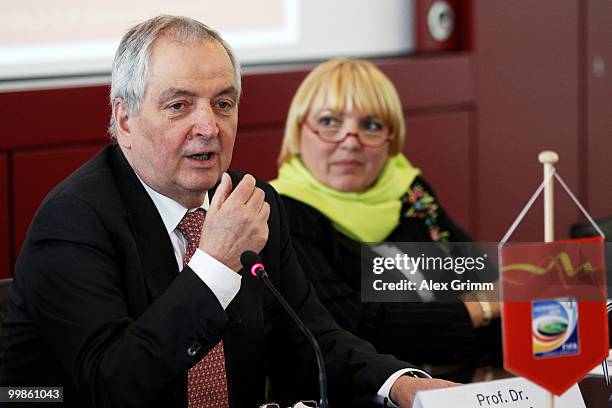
(345, 182)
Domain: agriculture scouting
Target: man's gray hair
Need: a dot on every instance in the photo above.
(130, 66)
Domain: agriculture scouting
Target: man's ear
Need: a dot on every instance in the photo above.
(122, 118)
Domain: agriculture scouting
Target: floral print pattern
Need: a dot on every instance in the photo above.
(422, 205)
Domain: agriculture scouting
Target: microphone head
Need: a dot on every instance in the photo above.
(252, 262)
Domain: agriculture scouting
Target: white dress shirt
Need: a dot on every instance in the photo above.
(224, 282)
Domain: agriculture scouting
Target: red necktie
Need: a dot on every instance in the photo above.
(207, 382)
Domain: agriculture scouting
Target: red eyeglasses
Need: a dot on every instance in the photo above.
(366, 137)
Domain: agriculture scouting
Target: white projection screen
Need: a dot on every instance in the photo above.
(64, 38)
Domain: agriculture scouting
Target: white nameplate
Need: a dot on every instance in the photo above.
(508, 393)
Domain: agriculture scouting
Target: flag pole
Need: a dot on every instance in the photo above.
(549, 159)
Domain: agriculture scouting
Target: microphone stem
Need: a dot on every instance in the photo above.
(320, 362)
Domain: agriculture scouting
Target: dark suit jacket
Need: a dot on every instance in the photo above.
(99, 307)
(438, 332)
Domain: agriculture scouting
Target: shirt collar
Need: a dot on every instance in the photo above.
(170, 211)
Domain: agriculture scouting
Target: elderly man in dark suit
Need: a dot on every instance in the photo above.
(126, 292)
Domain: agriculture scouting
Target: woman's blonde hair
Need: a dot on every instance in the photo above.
(345, 84)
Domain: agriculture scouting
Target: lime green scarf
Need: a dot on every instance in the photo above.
(366, 217)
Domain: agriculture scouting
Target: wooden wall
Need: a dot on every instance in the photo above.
(596, 135)
(527, 93)
(5, 222)
(535, 90)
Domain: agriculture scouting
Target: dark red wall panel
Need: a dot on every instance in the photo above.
(35, 173)
(526, 57)
(426, 82)
(54, 116)
(256, 152)
(266, 97)
(6, 268)
(465, 20)
(598, 72)
(439, 144)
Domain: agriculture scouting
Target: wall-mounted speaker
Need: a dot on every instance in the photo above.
(436, 25)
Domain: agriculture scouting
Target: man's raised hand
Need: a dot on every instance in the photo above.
(236, 221)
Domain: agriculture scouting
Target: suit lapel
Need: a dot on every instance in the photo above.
(243, 337)
(154, 247)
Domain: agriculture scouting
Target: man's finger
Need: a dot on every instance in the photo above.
(264, 212)
(243, 191)
(256, 200)
(223, 191)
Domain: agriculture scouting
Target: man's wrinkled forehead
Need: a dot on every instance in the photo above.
(175, 39)
(230, 89)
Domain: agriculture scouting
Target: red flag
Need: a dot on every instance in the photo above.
(554, 313)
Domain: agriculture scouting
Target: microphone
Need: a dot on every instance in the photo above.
(253, 263)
